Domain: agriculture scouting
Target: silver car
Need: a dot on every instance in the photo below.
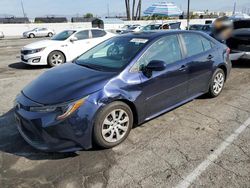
(1, 35)
(38, 32)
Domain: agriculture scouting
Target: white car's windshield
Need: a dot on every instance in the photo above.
(63, 35)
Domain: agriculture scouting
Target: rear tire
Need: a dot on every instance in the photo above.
(112, 125)
(56, 58)
(217, 83)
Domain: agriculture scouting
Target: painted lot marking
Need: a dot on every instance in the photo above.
(212, 157)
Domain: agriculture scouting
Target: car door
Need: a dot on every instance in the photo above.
(44, 32)
(40, 32)
(200, 57)
(166, 88)
(36, 32)
(81, 45)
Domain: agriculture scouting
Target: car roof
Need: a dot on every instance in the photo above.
(83, 29)
(151, 35)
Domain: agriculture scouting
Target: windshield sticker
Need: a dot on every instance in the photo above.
(138, 40)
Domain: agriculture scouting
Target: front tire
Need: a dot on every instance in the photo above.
(56, 58)
(217, 83)
(31, 35)
(50, 34)
(112, 125)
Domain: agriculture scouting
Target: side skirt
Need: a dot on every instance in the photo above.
(174, 106)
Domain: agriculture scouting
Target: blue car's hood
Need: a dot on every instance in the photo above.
(65, 83)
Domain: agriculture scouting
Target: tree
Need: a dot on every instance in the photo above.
(136, 9)
(127, 2)
(88, 15)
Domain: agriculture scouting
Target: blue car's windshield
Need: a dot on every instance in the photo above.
(113, 54)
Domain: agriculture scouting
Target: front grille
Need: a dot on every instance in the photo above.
(30, 132)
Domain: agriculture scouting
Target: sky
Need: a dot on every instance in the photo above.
(35, 8)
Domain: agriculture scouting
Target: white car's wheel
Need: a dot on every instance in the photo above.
(56, 58)
(50, 34)
(31, 35)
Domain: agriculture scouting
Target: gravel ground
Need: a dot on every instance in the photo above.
(164, 152)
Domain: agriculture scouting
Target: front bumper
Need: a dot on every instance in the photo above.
(34, 59)
(43, 132)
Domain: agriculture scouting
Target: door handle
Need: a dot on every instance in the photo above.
(210, 57)
(183, 68)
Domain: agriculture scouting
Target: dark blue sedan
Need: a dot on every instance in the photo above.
(120, 83)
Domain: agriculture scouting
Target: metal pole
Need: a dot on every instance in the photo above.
(188, 14)
(24, 15)
(234, 10)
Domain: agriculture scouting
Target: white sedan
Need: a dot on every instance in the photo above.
(63, 47)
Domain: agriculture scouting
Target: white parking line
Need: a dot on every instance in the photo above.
(212, 157)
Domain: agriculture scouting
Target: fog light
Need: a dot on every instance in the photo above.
(36, 60)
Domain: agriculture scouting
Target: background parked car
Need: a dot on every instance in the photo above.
(1, 35)
(239, 42)
(131, 29)
(63, 47)
(206, 28)
(38, 32)
(124, 28)
(164, 26)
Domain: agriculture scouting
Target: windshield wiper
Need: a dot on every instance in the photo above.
(90, 66)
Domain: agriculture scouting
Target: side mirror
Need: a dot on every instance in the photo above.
(73, 39)
(154, 65)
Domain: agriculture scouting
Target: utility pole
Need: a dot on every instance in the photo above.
(188, 14)
(234, 8)
(24, 15)
(108, 9)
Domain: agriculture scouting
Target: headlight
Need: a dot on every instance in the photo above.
(36, 50)
(70, 109)
(66, 109)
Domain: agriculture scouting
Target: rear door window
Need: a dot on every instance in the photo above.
(193, 44)
(82, 35)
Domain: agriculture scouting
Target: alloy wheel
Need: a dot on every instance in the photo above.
(56, 59)
(218, 83)
(115, 126)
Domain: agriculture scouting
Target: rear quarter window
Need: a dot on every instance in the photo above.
(207, 45)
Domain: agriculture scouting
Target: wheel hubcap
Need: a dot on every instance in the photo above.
(115, 125)
(218, 83)
(56, 59)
